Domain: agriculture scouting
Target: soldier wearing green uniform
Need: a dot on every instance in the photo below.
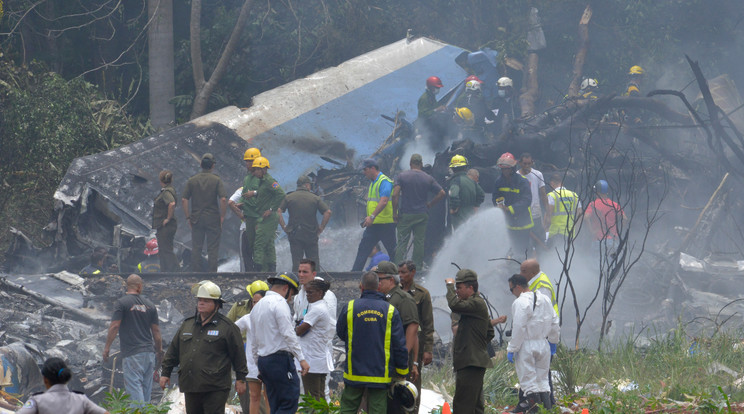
(164, 222)
(207, 214)
(387, 272)
(249, 213)
(422, 298)
(205, 348)
(470, 346)
(465, 195)
(269, 195)
(303, 230)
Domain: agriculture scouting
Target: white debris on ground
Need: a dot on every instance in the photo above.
(429, 400)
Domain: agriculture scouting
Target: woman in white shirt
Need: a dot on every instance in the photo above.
(315, 331)
(255, 387)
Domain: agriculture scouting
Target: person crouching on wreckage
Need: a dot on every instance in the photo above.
(58, 398)
(205, 348)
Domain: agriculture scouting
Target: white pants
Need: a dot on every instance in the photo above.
(532, 363)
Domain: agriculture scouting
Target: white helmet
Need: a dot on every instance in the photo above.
(473, 85)
(504, 82)
(405, 393)
(209, 290)
(589, 83)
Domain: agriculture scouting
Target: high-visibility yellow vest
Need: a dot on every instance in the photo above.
(373, 198)
(564, 211)
(542, 281)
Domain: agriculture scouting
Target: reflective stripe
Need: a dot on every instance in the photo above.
(563, 217)
(526, 226)
(542, 281)
(388, 334)
(509, 190)
(349, 374)
(373, 198)
(349, 333)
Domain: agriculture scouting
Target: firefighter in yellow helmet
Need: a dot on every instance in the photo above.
(243, 204)
(635, 77)
(464, 194)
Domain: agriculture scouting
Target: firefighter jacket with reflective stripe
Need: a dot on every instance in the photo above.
(375, 342)
(542, 281)
(565, 203)
(517, 197)
(373, 198)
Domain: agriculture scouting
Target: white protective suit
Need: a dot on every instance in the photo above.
(534, 320)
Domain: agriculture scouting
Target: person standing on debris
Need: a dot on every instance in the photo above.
(208, 206)
(379, 224)
(254, 399)
(316, 330)
(425, 311)
(58, 398)
(96, 263)
(564, 209)
(539, 199)
(410, 207)
(303, 230)
(151, 264)
(268, 196)
(205, 348)
(465, 195)
(432, 121)
(505, 106)
(136, 318)
(470, 345)
(533, 320)
(512, 194)
(605, 217)
(375, 348)
(274, 344)
(635, 78)
(164, 222)
(244, 206)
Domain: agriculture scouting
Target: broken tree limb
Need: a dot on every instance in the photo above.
(683, 163)
(706, 219)
(578, 68)
(528, 98)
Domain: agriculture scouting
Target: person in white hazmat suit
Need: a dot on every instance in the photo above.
(535, 334)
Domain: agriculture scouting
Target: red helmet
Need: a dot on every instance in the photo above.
(473, 77)
(434, 81)
(506, 160)
(151, 247)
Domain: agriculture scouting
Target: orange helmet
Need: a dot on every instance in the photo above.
(151, 247)
(506, 160)
(434, 81)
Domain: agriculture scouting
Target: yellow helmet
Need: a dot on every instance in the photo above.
(635, 70)
(465, 113)
(256, 286)
(261, 162)
(458, 161)
(251, 154)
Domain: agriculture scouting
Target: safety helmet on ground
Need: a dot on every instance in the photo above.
(209, 290)
(465, 114)
(458, 161)
(506, 160)
(256, 286)
(589, 83)
(504, 82)
(405, 393)
(434, 82)
(251, 154)
(151, 247)
(261, 162)
(473, 78)
(473, 85)
(287, 278)
(602, 187)
(635, 70)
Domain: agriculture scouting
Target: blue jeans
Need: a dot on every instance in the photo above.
(279, 374)
(138, 370)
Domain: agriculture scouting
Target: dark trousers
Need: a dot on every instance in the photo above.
(300, 249)
(208, 227)
(165, 235)
(371, 236)
(279, 374)
(212, 402)
(351, 399)
(469, 391)
(314, 385)
(520, 243)
(248, 243)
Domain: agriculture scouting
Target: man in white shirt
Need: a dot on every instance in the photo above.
(275, 344)
(235, 206)
(539, 198)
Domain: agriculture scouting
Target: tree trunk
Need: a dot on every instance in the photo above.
(204, 88)
(160, 63)
(573, 88)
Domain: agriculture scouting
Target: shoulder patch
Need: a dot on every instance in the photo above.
(30, 403)
(275, 184)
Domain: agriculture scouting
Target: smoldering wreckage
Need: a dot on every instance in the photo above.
(684, 159)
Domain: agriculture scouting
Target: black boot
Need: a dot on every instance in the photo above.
(547, 402)
(533, 400)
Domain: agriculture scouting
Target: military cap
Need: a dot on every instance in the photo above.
(466, 275)
(370, 162)
(386, 268)
(304, 179)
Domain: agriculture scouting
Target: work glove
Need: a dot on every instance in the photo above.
(510, 356)
(553, 348)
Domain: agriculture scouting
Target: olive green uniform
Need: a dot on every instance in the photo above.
(165, 233)
(270, 195)
(205, 355)
(302, 228)
(251, 215)
(422, 298)
(406, 307)
(204, 190)
(470, 351)
(463, 196)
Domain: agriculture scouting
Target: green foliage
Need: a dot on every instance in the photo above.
(119, 402)
(309, 404)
